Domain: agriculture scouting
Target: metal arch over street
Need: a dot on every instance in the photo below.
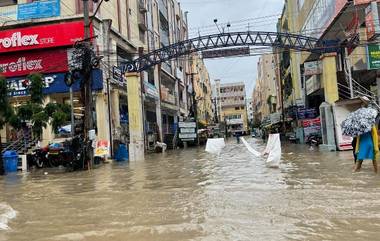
(223, 40)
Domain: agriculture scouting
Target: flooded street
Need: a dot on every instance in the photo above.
(191, 195)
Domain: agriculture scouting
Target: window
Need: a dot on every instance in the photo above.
(236, 108)
(7, 2)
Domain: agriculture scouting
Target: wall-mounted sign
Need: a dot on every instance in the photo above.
(39, 9)
(312, 68)
(24, 63)
(44, 36)
(313, 84)
(151, 90)
(373, 56)
(54, 83)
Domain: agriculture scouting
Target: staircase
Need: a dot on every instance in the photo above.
(358, 89)
(22, 146)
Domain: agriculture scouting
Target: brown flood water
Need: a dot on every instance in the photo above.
(191, 195)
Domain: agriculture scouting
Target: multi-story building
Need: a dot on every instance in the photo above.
(121, 30)
(308, 79)
(202, 90)
(233, 107)
(264, 96)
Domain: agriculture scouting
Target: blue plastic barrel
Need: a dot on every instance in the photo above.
(122, 153)
(10, 159)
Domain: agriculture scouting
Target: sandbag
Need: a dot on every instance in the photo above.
(250, 149)
(274, 150)
(215, 145)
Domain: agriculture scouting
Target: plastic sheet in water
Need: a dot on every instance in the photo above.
(215, 145)
(273, 149)
(250, 149)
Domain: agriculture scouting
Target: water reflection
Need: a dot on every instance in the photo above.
(191, 195)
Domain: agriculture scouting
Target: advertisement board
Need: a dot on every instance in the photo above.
(44, 36)
(225, 52)
(373, 56)
(312, 68)
(54, 83)
(24, 63)
(187, 131)
(313, 84)
(39, 9)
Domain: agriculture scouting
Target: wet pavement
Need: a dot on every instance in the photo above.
(191, 195)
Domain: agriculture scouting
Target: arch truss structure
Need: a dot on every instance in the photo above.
(226, 40)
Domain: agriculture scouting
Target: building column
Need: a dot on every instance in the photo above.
(136, 129)
(329, 78)
(158, 104)
(47, 133)
(115, 111)
(101, 117)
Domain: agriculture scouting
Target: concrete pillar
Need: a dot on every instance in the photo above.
(115, 111)
(136, 129)
(47, 133)
(102, 117)
(158, 104)
(329, 78)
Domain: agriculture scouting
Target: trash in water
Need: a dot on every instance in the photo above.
(273, 149)
(215, 145)
(250, 149)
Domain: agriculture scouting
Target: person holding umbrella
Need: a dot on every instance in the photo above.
(366, 149)
(361, 124)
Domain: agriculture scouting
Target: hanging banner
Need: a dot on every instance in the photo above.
(24, 63)
(44, 36)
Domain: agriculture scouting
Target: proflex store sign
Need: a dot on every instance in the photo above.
(53, 83)
(44, 36)
(43, 61)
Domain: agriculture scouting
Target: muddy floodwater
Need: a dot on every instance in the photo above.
(191, 195)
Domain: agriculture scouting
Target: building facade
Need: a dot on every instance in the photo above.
(121, 31)
(202, 90)
(233, 110)
(264, 96)
(312, 85)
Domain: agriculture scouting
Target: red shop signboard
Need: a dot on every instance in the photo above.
(42, 61)
(44, 36)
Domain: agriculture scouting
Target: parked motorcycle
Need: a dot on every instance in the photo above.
(40, 157)
(314, 140)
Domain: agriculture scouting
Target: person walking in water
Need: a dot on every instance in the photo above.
(367, 149)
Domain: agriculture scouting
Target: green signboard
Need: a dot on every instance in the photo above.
(373, 56)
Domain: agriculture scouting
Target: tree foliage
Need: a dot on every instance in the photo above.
(36, 113)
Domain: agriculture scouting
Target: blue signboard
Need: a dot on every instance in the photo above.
(54, 83)
(39, 9)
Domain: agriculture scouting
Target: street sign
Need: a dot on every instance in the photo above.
(187, 124)
(225, 52)
(187, 130)
(116, 73)
(187, 135)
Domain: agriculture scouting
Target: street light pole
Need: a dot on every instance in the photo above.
(88, 122)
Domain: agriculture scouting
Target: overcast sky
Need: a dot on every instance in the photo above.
(257, 14)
